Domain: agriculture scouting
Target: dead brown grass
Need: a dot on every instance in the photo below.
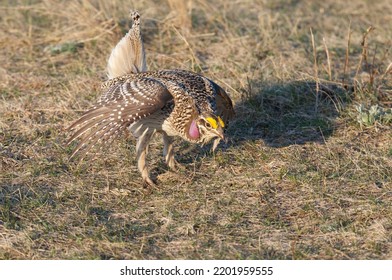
(299, 179)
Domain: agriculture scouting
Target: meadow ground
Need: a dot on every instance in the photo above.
(306, 173)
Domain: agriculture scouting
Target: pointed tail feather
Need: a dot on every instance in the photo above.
(128, 56)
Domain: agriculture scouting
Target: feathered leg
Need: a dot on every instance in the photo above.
(168, 152)
(141, 151)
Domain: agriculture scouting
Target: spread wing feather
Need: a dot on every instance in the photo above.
(128, 102)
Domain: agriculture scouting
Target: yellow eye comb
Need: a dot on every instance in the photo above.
(214, 123)
(221, 122)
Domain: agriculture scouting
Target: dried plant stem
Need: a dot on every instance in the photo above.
(372, 71)
(315, 70)
(347, 55)
(387, 71)
(328, 59)
(181, 10)
(194, 59)
(364, 53)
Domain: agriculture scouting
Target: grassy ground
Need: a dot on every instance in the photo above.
(300, 178)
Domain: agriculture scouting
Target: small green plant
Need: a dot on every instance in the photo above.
(71, 47)
(375, 114)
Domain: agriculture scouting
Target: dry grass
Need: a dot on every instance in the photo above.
(299, 178)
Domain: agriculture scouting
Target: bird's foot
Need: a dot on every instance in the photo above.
(149, 183)
(175, 165)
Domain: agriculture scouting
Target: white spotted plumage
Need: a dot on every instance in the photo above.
(172, 102)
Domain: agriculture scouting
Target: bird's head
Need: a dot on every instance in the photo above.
(205, 128)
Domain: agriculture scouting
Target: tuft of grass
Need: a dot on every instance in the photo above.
(375, 114)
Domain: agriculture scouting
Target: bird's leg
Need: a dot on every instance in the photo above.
(168, 152)
(141, 151)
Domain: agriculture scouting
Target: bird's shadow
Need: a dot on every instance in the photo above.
(284, 114)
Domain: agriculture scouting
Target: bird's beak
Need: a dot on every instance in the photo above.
(219, 133)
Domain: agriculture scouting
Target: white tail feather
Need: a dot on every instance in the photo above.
(128, 56)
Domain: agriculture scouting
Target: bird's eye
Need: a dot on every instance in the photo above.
(205, 123)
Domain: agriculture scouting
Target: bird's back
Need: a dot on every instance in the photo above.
(208, 97)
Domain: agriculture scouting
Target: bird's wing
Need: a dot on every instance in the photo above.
(125, 102)
(224, 104)
(128, 56)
